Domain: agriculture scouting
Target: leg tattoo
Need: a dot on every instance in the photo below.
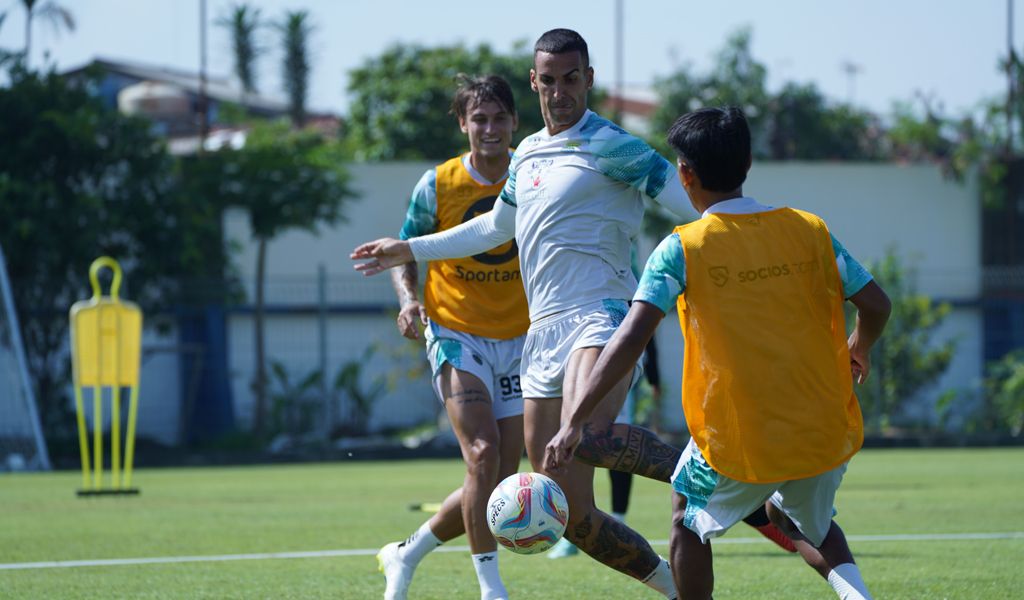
(628, 448)
(617, 546)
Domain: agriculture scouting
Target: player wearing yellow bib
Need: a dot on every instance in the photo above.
(475, 314)
(767, 386)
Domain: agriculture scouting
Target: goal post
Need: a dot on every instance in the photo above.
(22, 446)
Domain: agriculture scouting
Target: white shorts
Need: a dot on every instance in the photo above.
(551, 340)
(494, 362)
(714, 502)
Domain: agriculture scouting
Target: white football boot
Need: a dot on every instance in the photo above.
(396, 572)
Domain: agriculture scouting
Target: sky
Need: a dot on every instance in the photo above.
(944, 50)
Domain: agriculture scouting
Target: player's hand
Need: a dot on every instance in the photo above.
(860, 364)
(559, 451)
(381, 255)
(411, 312)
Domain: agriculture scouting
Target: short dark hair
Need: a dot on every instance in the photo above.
(477, 89)
(715, 142)
(560, 41)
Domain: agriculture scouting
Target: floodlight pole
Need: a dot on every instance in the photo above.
(1010, 72)
(204, 114)
(618, 64)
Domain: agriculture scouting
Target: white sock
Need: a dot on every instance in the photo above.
(660, 579)
(418, 545)
(620, 516)
(846, 581)
(491, 587)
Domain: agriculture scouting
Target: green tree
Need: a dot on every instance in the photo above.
(736, 79)
(1004, 391)
(998, 408)
(296, 30)
(242, 23)
(78, 181)
(5, 55)
(797, 123)
(904, 361)
(400, 99)
(287, 179)
(804, 126)
(49, 11)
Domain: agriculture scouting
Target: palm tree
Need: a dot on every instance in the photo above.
(5, 55)
(296, 30)
(49, 11)
(242, 23)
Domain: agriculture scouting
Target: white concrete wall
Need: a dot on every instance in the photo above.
(932, 223)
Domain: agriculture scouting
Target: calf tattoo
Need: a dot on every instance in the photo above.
(628, 448)
(616, 546)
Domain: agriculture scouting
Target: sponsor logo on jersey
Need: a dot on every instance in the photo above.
(719, 275)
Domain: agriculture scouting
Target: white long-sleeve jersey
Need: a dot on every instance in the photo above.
(574, 202)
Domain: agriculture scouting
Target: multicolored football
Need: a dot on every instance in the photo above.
(527, 513)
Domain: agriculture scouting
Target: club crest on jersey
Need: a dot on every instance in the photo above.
(537, 167)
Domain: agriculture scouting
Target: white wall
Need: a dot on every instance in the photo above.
(932, 223)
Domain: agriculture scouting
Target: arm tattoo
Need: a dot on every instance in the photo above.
(628, 448)
(405, 279)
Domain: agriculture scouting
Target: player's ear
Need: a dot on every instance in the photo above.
(590, 78)
(533, 80)
(687, 176)
(462, 125)
(515, 121)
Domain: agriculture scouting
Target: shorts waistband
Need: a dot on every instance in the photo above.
(557, 317)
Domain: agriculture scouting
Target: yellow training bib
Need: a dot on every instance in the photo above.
(767, 390)
(482, 294)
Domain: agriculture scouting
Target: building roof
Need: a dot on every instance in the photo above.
(222, 89)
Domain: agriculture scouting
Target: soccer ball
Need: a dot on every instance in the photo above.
(527, 513)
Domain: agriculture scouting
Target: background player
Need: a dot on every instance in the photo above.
(475, 327)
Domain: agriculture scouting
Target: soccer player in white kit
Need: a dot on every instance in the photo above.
(573, 201)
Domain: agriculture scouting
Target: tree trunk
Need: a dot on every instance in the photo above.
(259, 383)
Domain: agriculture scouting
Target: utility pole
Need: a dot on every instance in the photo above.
(852, 70)
(1011, 63)
(204, 113)
(619, 87)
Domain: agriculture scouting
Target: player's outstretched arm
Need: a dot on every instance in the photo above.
(479, 234)
(873, 308)
(616, 361)
(380, 255)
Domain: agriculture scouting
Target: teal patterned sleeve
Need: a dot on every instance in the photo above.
(508, 193)
(421, 218)
(853, 274)
(664, 277)
(626, 158)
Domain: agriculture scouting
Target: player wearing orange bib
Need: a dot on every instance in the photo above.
(768, 369)
(475, 316)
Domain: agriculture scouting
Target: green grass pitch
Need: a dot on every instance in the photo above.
(362, 505)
